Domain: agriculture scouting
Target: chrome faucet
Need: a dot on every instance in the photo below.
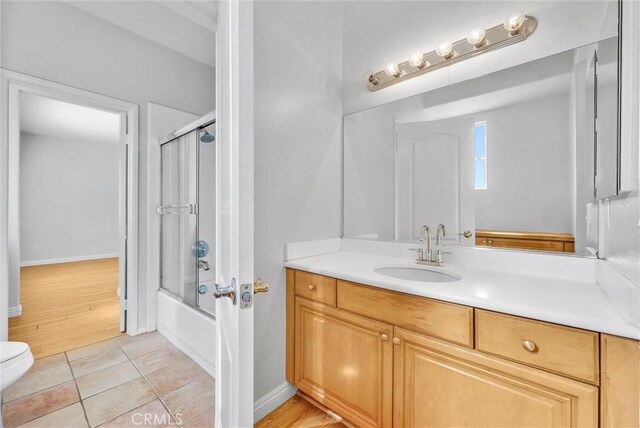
(426, 256)
(440, 230)
(426, 238)
(203, 264)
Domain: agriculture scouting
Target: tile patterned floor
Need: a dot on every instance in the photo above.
(142, 381)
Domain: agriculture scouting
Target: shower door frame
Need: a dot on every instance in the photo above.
(195, 126)
(12, 84)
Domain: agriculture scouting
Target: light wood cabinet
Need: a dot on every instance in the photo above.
(440, 319)
(344, 362)
(383, 358)
(437, 384)
(562, 242)
(620, 389)
(316, 287)
(565, 350)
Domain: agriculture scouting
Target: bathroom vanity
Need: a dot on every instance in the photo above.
(392, 352)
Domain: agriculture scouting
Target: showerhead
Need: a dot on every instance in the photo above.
(206, 137)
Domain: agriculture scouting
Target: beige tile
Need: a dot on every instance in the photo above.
(96, 348)
(125, 340)
(37, 381)
(104, 379)
(69, 417)
(152, 414)
(191, 400)
(170, 378)
(204, 420)
(48, 362)
(116, 401)
(97, 362)
(158, 359)
(26, 409)
(146, 345)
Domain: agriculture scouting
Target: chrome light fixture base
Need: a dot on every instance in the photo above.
(496, 37)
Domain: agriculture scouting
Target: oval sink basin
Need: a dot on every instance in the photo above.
(416, 273)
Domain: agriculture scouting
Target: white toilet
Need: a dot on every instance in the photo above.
(15, 361)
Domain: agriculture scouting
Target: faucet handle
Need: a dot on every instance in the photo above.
(419, 253)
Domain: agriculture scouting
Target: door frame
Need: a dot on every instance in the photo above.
(234, 214)
(12, 84)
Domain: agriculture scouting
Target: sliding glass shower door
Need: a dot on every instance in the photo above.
(188, 203)
(179, 224)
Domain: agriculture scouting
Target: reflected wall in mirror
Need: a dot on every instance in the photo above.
(510, 157)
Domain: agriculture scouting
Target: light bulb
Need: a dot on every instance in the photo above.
(476, 36)
(444, 49)
(417, 60)
(514, 22)
(392, 70)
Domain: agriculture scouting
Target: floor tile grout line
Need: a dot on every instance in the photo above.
(200, 414)
(162, 402)
(141, 377)
(40, 390)
(81, 401)
(121, 414)
(161, 397)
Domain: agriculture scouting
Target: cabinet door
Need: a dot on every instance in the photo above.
(437, 384)
(620, 389)
(345, 362)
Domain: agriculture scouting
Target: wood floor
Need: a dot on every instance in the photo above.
(67, 305)
(300, 413)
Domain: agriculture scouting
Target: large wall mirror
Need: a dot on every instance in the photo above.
(513, 159)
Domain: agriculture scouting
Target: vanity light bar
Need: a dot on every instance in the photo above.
(516, 28)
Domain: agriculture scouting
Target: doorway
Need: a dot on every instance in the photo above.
(71, 241)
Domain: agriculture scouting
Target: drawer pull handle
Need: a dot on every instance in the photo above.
(529, 345)
(396, 340)
(384, 337)
(311, 287)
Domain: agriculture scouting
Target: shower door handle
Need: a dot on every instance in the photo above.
(176, 209)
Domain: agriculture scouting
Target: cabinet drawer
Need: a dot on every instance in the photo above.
(444, 320)
(316, 287)
(560, 349)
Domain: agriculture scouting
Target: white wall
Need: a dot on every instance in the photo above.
(529, 180)
(298, 169)
(619, 234)
(58, 42)
(68, 198)
(379, 32)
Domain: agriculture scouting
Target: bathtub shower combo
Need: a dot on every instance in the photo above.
(186, 306)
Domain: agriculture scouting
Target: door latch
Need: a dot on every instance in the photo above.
(226, 291)
(248, 290)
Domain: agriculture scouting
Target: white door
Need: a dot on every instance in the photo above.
(434, 176)
(234, 216)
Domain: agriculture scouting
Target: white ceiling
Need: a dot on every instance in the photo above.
(185, 26)
(48, 117)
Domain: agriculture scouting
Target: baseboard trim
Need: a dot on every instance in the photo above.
(68, 259)
(270, 401)
(15, 311)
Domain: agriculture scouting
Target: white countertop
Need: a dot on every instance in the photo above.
(580, 304)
